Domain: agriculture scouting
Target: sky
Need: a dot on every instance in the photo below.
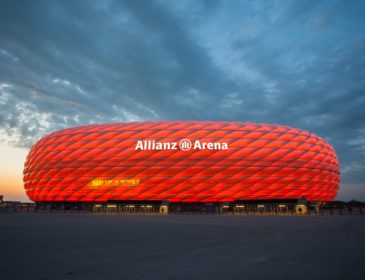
(296, 63)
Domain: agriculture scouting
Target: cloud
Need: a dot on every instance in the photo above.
(65, 63)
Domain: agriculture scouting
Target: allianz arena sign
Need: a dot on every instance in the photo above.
(183, 144)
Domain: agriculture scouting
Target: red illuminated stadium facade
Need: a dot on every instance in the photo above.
(181, 162)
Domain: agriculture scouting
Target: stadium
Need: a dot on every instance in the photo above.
(171, 166)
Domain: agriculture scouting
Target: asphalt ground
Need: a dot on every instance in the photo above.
(99, 246)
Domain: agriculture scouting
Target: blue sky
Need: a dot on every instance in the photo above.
(296, 63)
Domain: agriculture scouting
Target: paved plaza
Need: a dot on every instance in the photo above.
(98, 246)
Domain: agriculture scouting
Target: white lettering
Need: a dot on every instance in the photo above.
(139, 145)
(197, 145)
(183, 144)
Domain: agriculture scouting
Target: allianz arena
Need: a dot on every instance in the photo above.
(181, 162)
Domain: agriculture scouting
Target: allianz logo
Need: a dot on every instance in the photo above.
(183, 144)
